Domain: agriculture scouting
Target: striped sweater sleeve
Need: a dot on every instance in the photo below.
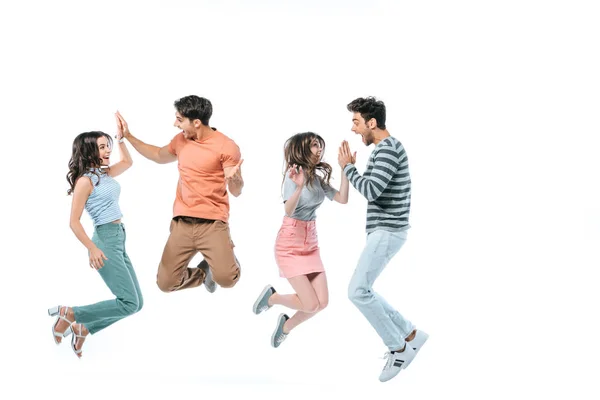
(383, 166)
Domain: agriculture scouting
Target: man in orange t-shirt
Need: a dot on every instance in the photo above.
(209, 165)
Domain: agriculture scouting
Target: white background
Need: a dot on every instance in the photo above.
(495, 102)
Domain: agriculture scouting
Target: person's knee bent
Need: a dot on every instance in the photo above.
(140, 302)
(130, 306)
(227, 280)
(165, 281)
(356, 292)
(164, 284)
(323, 304)
(311, 306)
(352, 291)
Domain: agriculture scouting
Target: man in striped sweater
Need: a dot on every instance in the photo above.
(386, 185)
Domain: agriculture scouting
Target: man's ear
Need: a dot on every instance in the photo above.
(372, 124)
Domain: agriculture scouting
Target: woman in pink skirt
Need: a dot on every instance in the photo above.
(305, 186)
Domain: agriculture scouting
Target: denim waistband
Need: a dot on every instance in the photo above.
(109, 227)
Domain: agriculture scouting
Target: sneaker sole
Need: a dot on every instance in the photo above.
(213, 286)
(281, 317)
(208, 273)
(257, 302)
(391, 376)
(212, 290)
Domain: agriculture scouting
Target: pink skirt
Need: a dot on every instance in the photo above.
(297, 248)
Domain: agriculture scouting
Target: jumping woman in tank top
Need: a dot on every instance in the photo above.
(297, 248)
(94, 188)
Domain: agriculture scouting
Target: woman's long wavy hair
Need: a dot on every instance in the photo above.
(297, 151)
(85, 156)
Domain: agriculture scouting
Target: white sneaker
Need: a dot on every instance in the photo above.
(396, 362)
(418, 341)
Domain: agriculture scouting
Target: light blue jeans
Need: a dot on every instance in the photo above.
(119, 276)
(389, 324)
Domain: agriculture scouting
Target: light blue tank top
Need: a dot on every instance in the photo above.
(103, 203)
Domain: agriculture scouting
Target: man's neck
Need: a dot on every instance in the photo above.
(379, 135)
(204, 132)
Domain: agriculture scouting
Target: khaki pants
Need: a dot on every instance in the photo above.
(188, 237)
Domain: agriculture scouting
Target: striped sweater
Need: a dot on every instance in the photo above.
(386, 185)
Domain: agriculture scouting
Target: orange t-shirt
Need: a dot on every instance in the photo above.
(202, 190)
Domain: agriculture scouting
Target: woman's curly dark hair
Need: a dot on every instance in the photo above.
(85, 156)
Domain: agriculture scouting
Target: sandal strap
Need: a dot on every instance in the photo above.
(60, 317)
(64, 317)
(74, 343)
(79, 335)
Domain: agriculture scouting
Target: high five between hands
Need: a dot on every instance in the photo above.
(345, 157)
(122, 128)
(232, 175)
